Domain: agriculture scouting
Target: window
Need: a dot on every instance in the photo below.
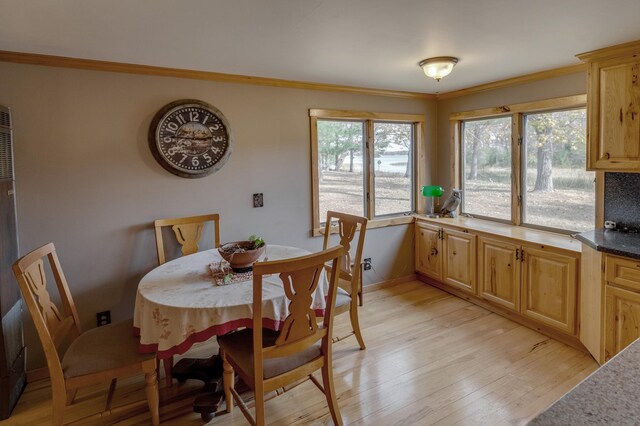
(393, 168)
(486, 186)
(528, 167)
(363, 163)
(341, 171)
(558, 191)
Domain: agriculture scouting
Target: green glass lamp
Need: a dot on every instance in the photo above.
(433, 192)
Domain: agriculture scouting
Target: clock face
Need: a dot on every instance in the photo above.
(190, 138)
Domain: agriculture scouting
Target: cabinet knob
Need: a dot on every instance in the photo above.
(454, 253)
(434, 251)
(606, 155)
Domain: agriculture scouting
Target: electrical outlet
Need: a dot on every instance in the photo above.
(103, 318)
(367, 264)
(258, 200)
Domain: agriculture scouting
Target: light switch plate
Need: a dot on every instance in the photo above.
(258, 200)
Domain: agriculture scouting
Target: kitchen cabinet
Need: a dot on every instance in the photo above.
(549, 286)
(610, 303)
(537, 281)
(446, 255)
(613, 107)
(529, 275)
(621, 319)
(459, 259)
(622, 304)
(499, 272)
(428, 249)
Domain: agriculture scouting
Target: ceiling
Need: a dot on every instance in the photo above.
(364, 43)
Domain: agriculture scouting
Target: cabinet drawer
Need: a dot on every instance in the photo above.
(624, 272)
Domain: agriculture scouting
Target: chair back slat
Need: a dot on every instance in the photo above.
(346, 228)
(299, 287)
(300, 278)
(188, 232)
(346, 231)
(188, 235)
(36, 280)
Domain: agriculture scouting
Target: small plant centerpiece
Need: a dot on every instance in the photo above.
(241, 255)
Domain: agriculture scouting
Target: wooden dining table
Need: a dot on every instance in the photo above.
(179, 303)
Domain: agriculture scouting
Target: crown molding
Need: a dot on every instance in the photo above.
(120, 67)
(624, 49)
(514, 81)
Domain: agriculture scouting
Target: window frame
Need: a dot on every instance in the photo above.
(368, 118)
(517, 113)
(462, 154)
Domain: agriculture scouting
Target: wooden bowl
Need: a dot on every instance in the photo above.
(238, 254)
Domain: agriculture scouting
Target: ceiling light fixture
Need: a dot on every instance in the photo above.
(438, 67)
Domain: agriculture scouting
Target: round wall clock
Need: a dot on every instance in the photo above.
(190, 138)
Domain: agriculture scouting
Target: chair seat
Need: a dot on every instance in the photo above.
(103, 348)
(239, 347)
(342, 297)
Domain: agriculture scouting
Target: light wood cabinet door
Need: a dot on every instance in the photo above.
(459, 261)
(499, 272)
(623, 272)
(622, 319)
(428, 247)
(549, 287)
(613, 107)
(617, 141)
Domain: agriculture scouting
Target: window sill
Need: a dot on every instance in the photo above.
(375, 223)
(518, 233)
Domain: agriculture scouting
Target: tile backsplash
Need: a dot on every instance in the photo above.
(622, 198)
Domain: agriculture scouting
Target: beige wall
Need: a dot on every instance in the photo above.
(87, 181)
(572, 84)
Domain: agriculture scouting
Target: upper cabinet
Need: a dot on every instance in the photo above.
(613, 107)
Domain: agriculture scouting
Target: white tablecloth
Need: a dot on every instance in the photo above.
(178, 303)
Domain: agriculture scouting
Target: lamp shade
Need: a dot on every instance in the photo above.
(432, 191)
(438, 67)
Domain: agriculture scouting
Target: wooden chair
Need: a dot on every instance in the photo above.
(101, 354)
(350, 268)
(188, 231)
(267, 360)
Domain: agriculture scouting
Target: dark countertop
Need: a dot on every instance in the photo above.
(609, 396)
(611, 241)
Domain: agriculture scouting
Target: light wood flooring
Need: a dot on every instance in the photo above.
(431, 358)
